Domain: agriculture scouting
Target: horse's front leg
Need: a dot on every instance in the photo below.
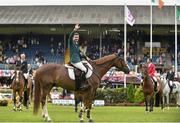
(20, 99)
(146, 103)
(177, 100)
(89, 106)
(14, 100)
(89, 115)
(81, 112)
(151, 104)
(163, 99)
(167, 100)
(44, 108)
(76, 105)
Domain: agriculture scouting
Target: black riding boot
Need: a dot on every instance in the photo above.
(171, 89)
(25, 83)
(84, 84)
(155, 86)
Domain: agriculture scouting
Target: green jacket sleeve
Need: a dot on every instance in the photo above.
(70, 38)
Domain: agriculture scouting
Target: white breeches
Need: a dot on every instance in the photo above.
(80, 66)
(26, 75)
(155, 79)
(170, 82)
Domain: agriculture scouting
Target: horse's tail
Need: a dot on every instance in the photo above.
(37, 95)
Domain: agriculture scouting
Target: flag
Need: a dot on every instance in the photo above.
(178, 13)
(129, 17)
(161, 3)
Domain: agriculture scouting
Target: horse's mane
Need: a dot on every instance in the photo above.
(104, 59)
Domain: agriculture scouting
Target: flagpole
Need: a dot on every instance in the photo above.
(151, 30)
(176, 65)
(125, 34)
(125, 31)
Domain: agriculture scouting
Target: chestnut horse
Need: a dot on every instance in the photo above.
(50, 75)
(148, 89)
(18, 85)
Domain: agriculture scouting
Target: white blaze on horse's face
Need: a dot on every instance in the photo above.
(17, 76)
(128, 66)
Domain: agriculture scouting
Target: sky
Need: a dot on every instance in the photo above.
(82, 2)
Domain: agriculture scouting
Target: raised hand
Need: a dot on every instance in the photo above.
(76, 27)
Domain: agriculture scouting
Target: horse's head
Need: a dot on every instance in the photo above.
(121, 64)
(17, 75)
(143, 69)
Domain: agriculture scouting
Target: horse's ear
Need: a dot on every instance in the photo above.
(119, 55)
(140, 66)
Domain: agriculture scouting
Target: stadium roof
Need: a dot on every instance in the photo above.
(82, 2)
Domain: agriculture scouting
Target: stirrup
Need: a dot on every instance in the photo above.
(84, 87)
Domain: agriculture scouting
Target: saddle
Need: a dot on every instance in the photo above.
(72, 71)
(77, 75)
(156, 84)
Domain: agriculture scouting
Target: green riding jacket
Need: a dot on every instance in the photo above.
(73, 46)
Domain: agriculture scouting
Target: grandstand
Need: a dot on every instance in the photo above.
(101, 27)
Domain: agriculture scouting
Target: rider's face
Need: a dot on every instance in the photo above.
(76, 38)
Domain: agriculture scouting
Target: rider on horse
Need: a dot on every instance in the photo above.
(76, 56)
(170, 78)
(151, 72)
(24, 68)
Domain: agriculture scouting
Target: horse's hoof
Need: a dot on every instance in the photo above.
(81, 121)
(47, 119)
(75, 110)
(90, 120)
(80, 114)
(14, 109)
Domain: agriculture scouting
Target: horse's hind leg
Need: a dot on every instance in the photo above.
(28, 101)
(44, 107)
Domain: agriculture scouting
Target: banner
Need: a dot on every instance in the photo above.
(6, 73)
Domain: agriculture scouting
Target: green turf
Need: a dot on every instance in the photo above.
(99, 114)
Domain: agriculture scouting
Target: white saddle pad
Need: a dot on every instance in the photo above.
(26, 75)
(71, 70)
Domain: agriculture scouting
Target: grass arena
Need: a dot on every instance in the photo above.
(100, 114)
